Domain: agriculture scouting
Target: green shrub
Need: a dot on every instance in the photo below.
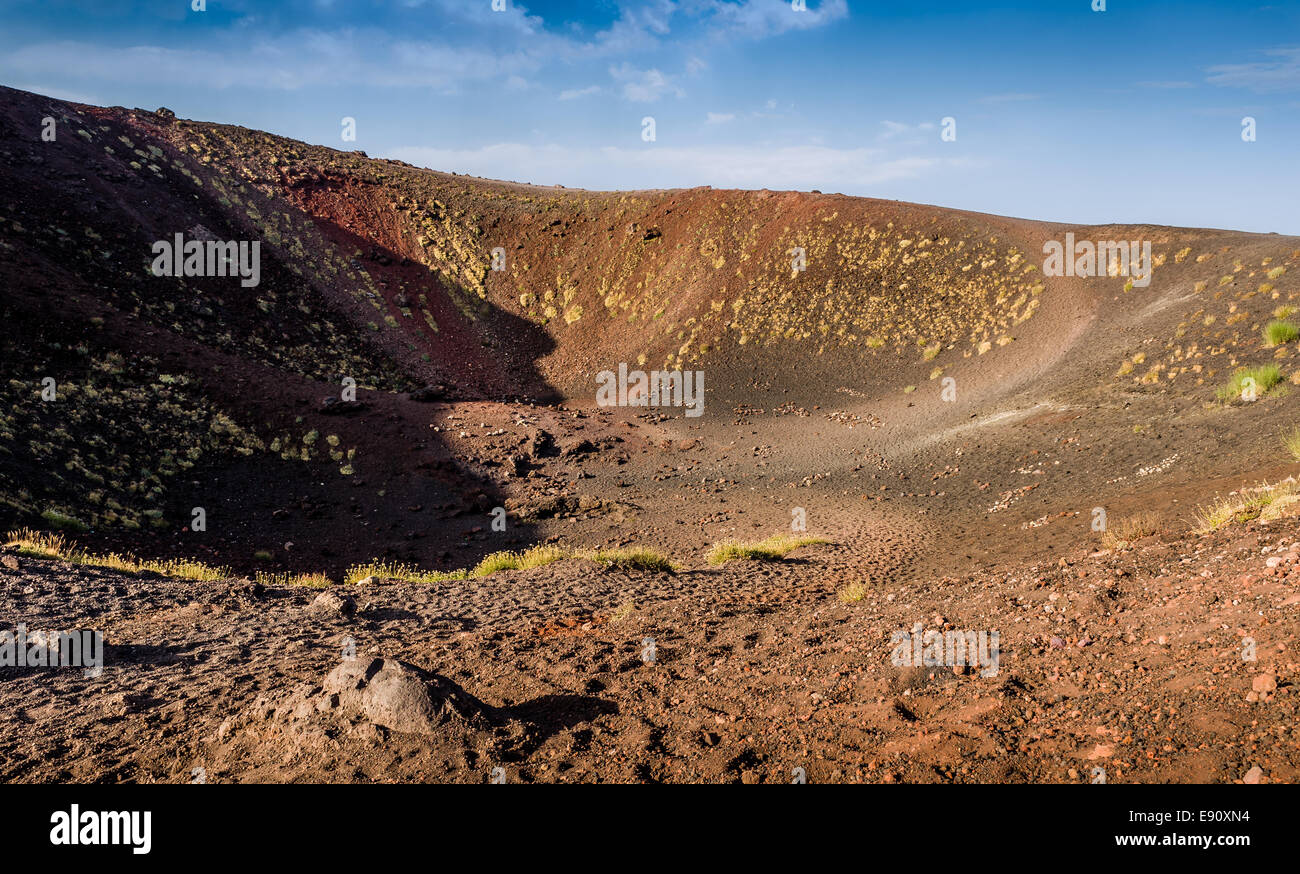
(1264, 378)
(1280, 331)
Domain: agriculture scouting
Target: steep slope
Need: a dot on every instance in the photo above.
(180, 392)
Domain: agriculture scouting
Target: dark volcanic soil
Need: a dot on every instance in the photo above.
(1128, 662)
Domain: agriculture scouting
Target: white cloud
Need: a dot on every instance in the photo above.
(757, 19)
(719, 117)
(470, 44)
(290, 62)
(895, 129)
(56, 93)
(658, 166)
(1282, 74)
(575, 93)
(645, 86)
(1017, 97)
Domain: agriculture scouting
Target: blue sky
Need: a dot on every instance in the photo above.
(1062, 113)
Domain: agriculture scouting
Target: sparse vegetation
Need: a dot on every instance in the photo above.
(771, 549)
(1291, 440)
(42, 544)
(1263, 502)
(391, 570)
(1130, 529)
(291, 580)
(63, 521)
(853, 593)
(1261, 378)
(1280, 331)
(537, 556)
(631, 559)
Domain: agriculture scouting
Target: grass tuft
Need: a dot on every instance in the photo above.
(43, 544)
(771, 549)
(1264, 377)
(1249, 504)
(290, 580)
(537, 556)
(853, 593)
(392, 570)
(1279, 332)
(1131, 529)
(1291, 440)
(631, 559)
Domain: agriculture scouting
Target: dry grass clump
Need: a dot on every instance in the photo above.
(392, 570)
(1263, 502)
(535, 557)
(1133, 528)
(853, 593)
(771, 549)
(631, 559)
(43, 544)
(1291, 440)
(291, 580)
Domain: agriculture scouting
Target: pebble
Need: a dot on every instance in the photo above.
(1264, 683)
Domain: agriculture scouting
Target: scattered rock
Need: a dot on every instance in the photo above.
(429, 394)
(398, 696)
(330, 602)
(333, 406)
(1264, 683)
(578, 447)
(543, 444)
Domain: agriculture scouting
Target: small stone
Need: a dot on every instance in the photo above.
(329, 602)
(749, 778)
(1254, 775)
(1264, 683)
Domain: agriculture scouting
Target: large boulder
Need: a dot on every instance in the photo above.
(398, 696)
